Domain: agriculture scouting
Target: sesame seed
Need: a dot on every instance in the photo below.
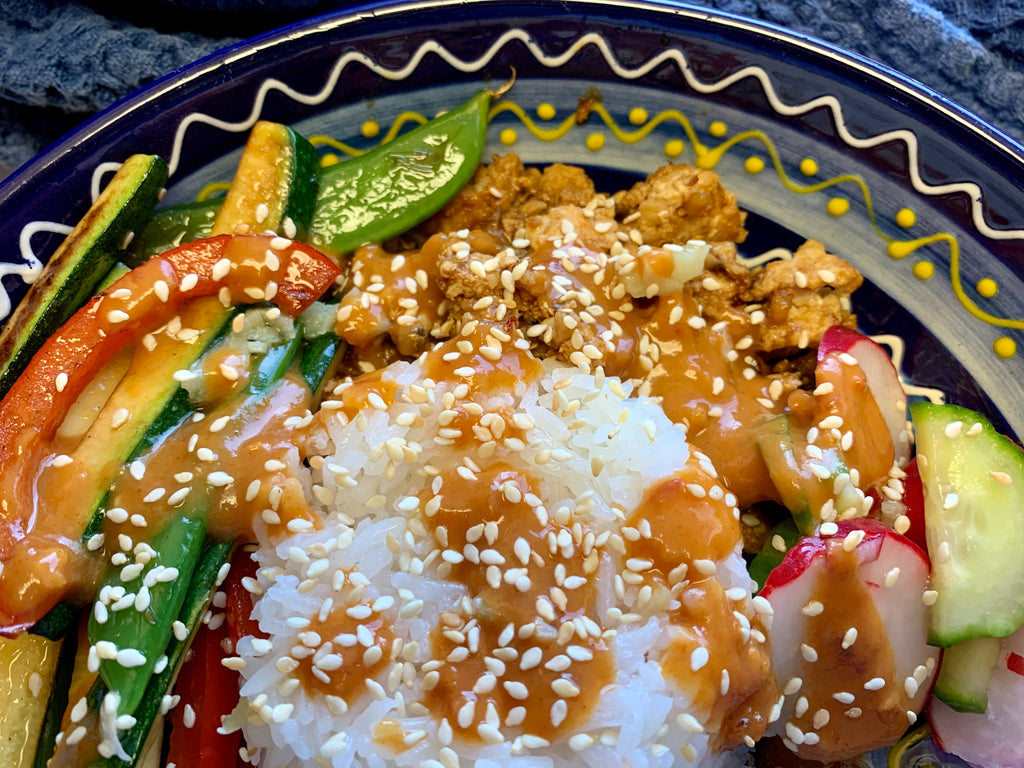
(813, 608)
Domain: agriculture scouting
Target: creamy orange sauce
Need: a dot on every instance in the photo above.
(232, 463)
(488, 359)
(488, 518)
(396, 294)
(688, 522)
(705, 382)
(355, 661)
(73, 471)
(843, 391)
(876, 717)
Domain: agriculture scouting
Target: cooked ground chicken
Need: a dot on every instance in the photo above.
(554, 253)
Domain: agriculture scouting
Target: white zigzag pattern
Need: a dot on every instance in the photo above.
(675, 56)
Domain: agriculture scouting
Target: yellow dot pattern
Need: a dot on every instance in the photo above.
(753, 165)
(1005, 347)
(638, 116)
(674, 148)
(595, 141)
(808, 166)
(924, 270)
(906, 218)
(545, 111)
(837, 206)
(508, 137)
(718, 129)
(988, 287)
(899, 250)
(370, 129)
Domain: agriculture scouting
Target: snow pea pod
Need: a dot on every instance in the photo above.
(395, 186)
(130, 639)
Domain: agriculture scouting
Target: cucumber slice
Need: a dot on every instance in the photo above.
(965, 673)
(81, 262)
(973, 481)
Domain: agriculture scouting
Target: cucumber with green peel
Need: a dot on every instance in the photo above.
(275, 188)
(82, 260)
(148, 394)
(805, 484)
(973, 480)
(966, 672)
(141, 689)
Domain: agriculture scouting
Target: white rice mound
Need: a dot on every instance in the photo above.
(595, 462)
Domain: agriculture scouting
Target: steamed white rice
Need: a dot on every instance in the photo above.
(594, 450)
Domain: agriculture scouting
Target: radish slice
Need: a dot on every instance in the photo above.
(848, 638)
(882, 377)
(996, 738)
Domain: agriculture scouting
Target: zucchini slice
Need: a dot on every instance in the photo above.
(81, 262)
(275, 186)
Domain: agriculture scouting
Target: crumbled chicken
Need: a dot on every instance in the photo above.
(801, 297)
(678, 203)
(560, 257)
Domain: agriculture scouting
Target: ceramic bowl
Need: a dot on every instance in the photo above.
(918, 194)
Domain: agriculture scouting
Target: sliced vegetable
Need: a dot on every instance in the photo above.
(56, 697)
(80, 263)
(393, 187)
(237, 269)
(973, 480)
(239, 600)
(171, 226)
(823, 463)
(131, 623)
(275, 186)
(848, 637)
(206, 691)
(880, 376)
(804, 479)
(992, 738)
(134, 739)
(28, 665)
(966, 672)
(913, 499)
(844, 395)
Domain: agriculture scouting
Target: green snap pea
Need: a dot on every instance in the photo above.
(395, 186)
(139, 606)
(172, 226)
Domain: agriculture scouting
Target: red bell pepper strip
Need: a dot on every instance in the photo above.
(37, 561)
(239, 600)
(207, 690)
